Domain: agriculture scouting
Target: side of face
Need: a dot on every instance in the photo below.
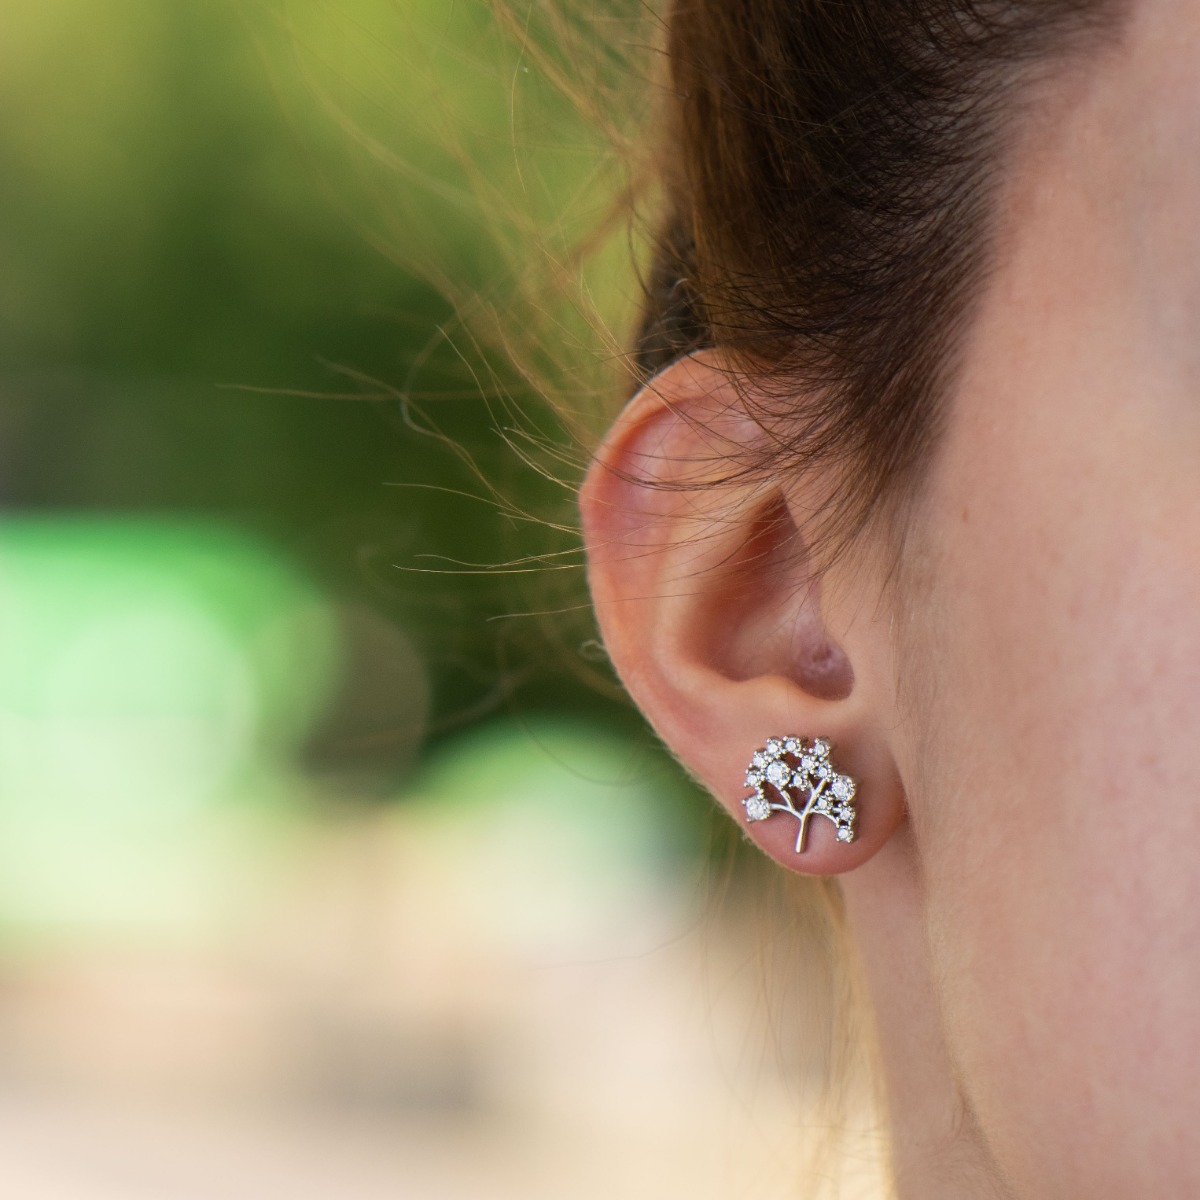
(1053, 774)
(1021, 712)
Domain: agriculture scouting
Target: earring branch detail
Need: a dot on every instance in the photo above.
(797, 777)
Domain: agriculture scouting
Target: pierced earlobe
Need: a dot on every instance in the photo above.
(796, 777)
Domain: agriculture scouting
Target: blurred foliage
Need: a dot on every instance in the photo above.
(234, 239)
(154, 676)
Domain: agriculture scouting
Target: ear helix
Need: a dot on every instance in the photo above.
(797, 777)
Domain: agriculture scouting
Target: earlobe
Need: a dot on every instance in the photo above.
(722, 635)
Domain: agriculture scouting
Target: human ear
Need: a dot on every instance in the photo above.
(714, 619)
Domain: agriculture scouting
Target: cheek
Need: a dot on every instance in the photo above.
(1059, 816)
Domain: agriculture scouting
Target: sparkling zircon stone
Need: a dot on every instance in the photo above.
(759, 760)
(757, 808)
(820, 747)
(774, 747)
(779, 773)
(845, 834)
(792, 745)
(843, 787)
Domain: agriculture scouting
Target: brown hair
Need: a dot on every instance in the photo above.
(828, 177)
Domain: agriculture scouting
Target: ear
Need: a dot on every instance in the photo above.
(714, 620)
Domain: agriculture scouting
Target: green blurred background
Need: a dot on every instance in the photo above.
(332, 861)
(266, 541)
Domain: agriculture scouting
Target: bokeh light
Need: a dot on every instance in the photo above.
(144, 685)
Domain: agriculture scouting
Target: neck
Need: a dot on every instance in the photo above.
(938, 1149)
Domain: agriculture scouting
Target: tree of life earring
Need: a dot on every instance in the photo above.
(797, 777)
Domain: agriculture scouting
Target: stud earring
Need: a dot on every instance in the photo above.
(797, 777)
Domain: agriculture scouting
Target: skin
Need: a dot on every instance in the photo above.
(1021, 709)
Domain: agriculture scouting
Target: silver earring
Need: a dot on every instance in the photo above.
(794, 776)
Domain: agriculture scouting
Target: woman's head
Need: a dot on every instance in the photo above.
(830, 172)
(984, 347)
